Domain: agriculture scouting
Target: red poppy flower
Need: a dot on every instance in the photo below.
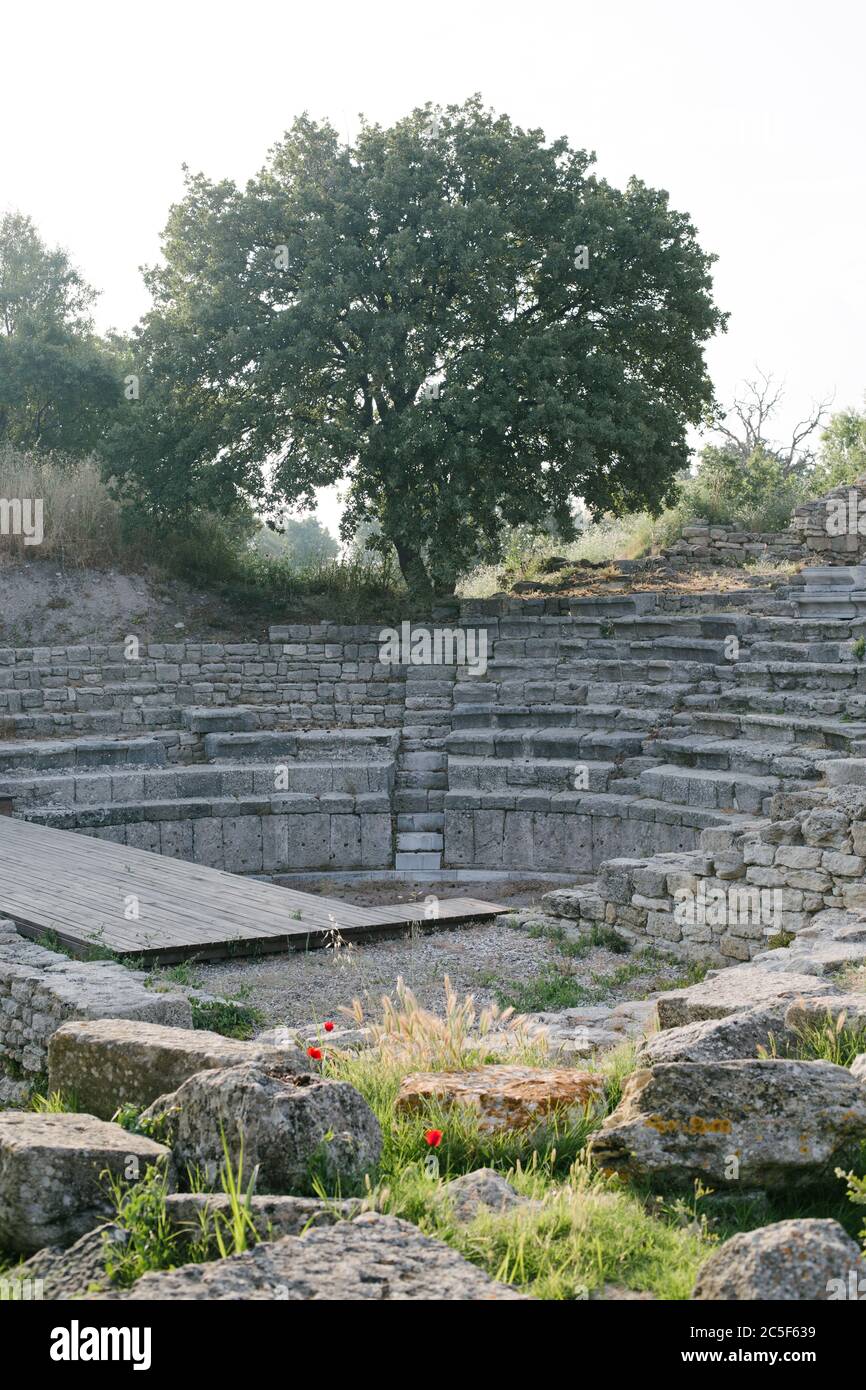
(315, 1053)
(328, 1027)
(433, 1137)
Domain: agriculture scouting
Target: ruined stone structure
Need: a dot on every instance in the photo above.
(600, 727)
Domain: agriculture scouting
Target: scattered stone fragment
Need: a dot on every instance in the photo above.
(374, 1258)
(506, 1097)
(482, 1189)
(732, 991)
(291, 1127)
(739, 1125)
(76, 1272)
(272, 1217)
(108, 1061)
(52, 1184)
(719, 1039)
(805, 1259)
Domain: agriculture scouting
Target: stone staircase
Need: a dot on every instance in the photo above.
(659, 724)
(601, 727)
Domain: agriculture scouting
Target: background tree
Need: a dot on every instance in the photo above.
(58, 382)
(412, 316)
(745, 428)
(302, 540)
(842, 458)
(749, 477)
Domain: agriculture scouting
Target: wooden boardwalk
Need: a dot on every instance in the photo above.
(94, 895)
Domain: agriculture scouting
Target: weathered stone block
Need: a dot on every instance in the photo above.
(105, 1062)
(52, 1188)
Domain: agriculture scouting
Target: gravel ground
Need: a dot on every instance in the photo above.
(297, 988)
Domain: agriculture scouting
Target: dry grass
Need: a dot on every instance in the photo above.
(82, 523)
(417, 1039)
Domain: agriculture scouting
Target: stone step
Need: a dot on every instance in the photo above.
(832, 603)
(409, 841)
(777, 650)
(306, 745)
(784, 760)
(408, 861)
(844, 706)
(575, 742)
(598, 805)
(815, 731)
(562, 716)
(224, 719)
(801, 675)
(665, 625)
(553, 774)
(80, 753)
(184, 782)
(695, 651)
(724, 791)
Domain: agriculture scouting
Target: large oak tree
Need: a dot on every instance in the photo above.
(412, 316)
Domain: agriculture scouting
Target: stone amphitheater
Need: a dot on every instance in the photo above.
(668, 752)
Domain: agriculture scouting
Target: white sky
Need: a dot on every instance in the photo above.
(750, 114)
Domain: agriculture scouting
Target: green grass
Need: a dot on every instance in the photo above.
(151, 1240)
(555, 989)
(231, 1019)
(828, 1041)
(581, 1230)
(181, 974)
(578, 1235)
(51, 1102)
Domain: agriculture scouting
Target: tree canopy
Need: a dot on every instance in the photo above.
(58, 381)
(843, 450)
(301, 540)
(455, 318)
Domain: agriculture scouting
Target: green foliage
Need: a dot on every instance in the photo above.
(856, 1192)
(224, 1016)
(227, 1233)
(408, 314)
(52, 1103)
(842, 458)
(303, 542)
(59, 384)
(754, 492)
(858, 647)
(150, 1240)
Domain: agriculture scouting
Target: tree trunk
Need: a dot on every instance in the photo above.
(416, 576)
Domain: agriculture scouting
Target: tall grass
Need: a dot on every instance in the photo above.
(82, 522)
(86, 527)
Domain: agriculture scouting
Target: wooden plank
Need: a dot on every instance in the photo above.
(74, 885)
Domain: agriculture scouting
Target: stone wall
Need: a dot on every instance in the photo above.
(40, 989)
(832, 528)
(706, 544)
(742, 888)
(320, 676)
(828, 530)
